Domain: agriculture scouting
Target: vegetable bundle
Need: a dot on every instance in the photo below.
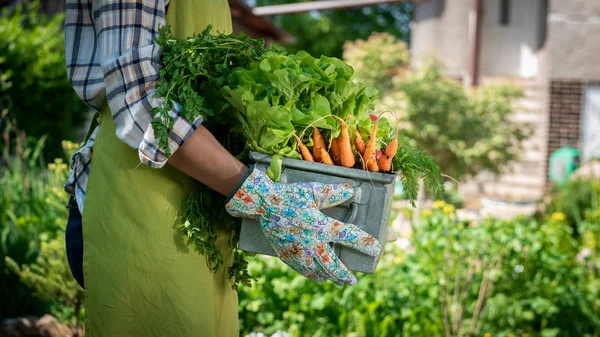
(263, 100)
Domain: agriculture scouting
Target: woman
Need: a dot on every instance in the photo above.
(140, 277)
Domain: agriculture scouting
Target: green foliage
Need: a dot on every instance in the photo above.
(283, 94)
(378, 61)
(453, 197)
(325, 32)
(191, 69)
(574, 199)
(500, 277)
(466, 132)
(33, 84)
(413, 166)
(50, 278)
(32, 212)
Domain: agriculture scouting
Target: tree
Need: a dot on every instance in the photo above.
(324, 32)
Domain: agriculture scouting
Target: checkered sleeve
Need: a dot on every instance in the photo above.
(130, 60)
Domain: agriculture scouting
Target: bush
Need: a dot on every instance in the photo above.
(32, 215)
(574, 199)
(379, 60)
(33, 84)
(515, 277)
(465, 132)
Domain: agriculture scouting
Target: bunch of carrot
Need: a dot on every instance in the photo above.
(342, 153)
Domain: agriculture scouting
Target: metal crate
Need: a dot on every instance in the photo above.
(369, 208)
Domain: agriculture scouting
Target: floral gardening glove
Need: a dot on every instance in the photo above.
(298, 232)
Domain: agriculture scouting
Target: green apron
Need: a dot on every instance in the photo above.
(141, 279)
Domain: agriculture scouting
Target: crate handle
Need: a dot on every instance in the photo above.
(351, 215)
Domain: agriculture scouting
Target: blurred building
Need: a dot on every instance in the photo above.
(546, 46)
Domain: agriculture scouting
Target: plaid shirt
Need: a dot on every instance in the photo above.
(112, 57)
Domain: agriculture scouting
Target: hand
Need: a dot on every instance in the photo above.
(290, 217)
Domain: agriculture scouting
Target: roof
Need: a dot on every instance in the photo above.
(242, 13)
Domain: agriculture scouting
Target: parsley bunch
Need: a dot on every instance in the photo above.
(191, 70)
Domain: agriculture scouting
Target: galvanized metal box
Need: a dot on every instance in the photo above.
(369, 208)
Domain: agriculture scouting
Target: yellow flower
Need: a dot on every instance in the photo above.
(487, 334)
(58, 161)
(448, 209)
(68, 145)
(61, 167)
(51, 167)
(558, 216)
(525, 335)
(407, 214)
(427, 213)
(510, 335)
(439, 204)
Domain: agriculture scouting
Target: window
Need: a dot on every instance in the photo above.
(504, 12)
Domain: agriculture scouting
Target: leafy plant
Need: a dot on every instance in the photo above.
(415, 165)
(495, 277)
(50, 278)
(32, 211)
(465, 132)
(574, 199)
(194, 66)
(34, 89)
(378, 61)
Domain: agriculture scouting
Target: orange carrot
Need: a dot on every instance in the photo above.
(318, 143)
(370, 157)
(304, 150)
(335, 151)
(324, 155)
(325, 158)
(346, 155)
(385, 161)
(359, 143)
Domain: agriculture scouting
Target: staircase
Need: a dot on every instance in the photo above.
(525, 180)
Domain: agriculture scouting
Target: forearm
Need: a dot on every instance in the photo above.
(203, 158)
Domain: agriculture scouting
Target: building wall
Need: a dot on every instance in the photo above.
(511, 49)
(440, 28)
(573, 27)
